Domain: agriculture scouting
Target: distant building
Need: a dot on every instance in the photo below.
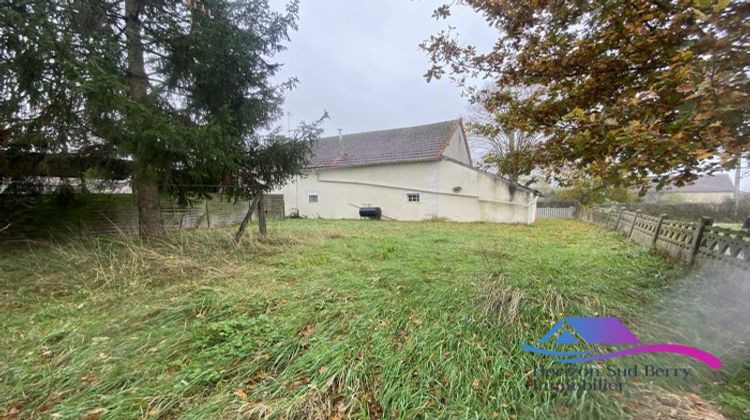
(411, 173)
(712, 189)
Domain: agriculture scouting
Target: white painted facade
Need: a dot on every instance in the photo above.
(448, 188)
(688, 197)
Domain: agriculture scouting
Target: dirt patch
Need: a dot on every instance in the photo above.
(659, 403)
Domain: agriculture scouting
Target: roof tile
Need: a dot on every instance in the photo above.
(411, 144)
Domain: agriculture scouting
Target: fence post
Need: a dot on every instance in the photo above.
(208, 216)
(702, 223)
(262, 217)
(635, 220)
(658, 229)
(619, 217)
(606, 222)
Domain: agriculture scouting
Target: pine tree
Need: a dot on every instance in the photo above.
(179, 89)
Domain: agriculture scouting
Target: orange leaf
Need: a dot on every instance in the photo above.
(241, 394)
(307, 330)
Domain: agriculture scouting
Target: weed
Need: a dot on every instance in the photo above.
(323, 319)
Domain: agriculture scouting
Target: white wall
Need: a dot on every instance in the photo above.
(447, 190)
(689, 197)
(342, 191)
(493, 200)
(457, 148)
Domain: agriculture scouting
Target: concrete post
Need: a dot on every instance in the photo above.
(635, 220)
(697, 237)
(619, 217)
(658, 229)
(208, 216)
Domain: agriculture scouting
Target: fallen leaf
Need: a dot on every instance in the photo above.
(94, 414)
(88, 379)
(241, 394)
(307, 330)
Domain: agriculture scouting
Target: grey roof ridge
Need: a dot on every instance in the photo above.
(362, 165)
(390, 129)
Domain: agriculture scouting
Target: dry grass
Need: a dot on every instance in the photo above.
(510, 304)
(323, 319)
(499, 300)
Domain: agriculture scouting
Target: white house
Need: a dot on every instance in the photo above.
(712, 189)
(412, 173)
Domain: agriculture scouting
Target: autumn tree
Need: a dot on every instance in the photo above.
(179, 89)
(509, 152)
(587, 190)
(629, 91)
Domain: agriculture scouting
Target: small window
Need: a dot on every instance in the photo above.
(312, 198)
(412, 198)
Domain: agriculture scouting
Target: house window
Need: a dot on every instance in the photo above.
(412, 197)
(312, 198)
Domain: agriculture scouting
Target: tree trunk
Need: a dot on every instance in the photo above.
(150, 223)
(262, 228)
(250, 209)
(145, 180)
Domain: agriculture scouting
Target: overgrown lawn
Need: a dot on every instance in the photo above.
(323, 319)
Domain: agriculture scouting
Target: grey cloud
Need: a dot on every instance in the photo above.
(361, 62)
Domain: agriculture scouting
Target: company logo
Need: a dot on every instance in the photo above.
(606, 330)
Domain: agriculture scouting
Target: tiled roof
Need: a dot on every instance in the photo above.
(411, 144)
(704, 184)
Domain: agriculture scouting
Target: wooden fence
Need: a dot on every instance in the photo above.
(694, 243)
(555, 212)
(102, 214)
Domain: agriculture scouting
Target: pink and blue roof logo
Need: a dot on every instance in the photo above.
(580, 331)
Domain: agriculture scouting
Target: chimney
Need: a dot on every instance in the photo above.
(341, 143)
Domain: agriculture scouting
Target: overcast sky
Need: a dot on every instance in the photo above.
(360, 60)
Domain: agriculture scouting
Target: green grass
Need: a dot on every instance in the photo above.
(324, 319)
